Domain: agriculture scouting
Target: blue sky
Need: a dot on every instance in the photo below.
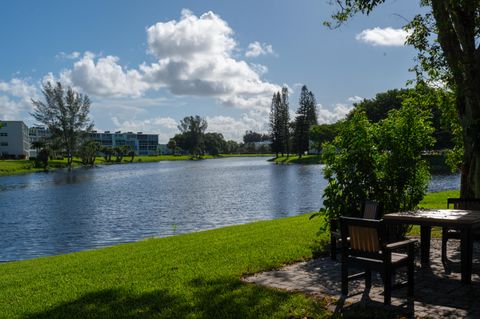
(147, 64)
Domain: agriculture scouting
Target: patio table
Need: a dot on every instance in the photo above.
(463, 220)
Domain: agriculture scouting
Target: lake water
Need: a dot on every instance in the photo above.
(60, 212)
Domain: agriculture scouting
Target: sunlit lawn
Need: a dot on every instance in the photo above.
(186, 276)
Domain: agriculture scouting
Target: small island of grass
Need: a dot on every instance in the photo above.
(295, 159)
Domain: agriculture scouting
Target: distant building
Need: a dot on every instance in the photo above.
(37, 133)
(14, 140)
(141, 144)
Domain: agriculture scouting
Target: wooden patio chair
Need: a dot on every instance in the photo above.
(371, 210)
(367, 250)
(447, 233)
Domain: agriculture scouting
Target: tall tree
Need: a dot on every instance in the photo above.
(447, 39)
(284, 122)
(193, 127)
(275, 127)
(65, 113)
(306, 117)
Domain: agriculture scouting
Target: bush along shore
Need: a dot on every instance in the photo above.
(195, 275)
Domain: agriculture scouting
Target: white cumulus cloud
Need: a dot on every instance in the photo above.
(256, 49)
(16, 99)
(355, 99)
(194, 56)
(328, 116)
(383, 36)
(104, 77)
(234, 129)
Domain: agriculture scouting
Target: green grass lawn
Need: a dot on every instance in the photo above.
(13, 167)
(185, 276)
(294, 159)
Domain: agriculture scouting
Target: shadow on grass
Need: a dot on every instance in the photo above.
(226, 298)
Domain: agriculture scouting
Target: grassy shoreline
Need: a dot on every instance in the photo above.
(295, 159)
(194, 275)
(15, 167)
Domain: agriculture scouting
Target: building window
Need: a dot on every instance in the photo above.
(3, 134)
(4, 144)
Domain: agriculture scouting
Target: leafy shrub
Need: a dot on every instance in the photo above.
(378, 161)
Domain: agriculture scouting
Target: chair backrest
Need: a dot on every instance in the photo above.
(365, 236)
(372, 210)
(464, 203)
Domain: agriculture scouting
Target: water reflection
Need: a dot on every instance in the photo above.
(59, 212)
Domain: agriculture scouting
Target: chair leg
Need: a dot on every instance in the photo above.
(387, 282)
(411, 273)
(333, 248)
(368, 279)
(344, 278)
(444, 247)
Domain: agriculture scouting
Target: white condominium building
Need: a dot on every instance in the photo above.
(14, 140)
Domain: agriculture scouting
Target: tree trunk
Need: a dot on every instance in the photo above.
(470, 170)
(468, 106)
(456, 23)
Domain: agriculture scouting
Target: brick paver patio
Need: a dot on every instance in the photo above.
(438, 293)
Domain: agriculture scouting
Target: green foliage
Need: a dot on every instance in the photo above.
(172, 145)
(193, 129)
(107, 153)
(378, 161)
(120, 151)
(280, 123)
(306, 117)
(231, 147)
(214, 143)
(252, 137)
(378, 108)
(351, 162)
(65, 113)
(403, 174)
(42, 159)
(323, 133)
(88, 152)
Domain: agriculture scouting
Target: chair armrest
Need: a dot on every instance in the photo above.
(400, 244)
